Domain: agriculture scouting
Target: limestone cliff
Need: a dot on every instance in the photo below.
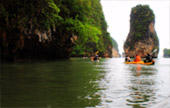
(115, 50)
(47, 29)
(35, 44)
(142, 38)
(115, 53)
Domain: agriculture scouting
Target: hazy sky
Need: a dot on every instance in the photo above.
(117, 15)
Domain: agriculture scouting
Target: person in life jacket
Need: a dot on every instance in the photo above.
(148, 58)
(127, 59)
(96, 57)
(137, 58)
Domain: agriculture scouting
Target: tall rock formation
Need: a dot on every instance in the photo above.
(142, 38)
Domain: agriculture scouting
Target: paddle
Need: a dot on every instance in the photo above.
(153, 51)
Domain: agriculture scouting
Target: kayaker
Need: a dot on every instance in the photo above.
(96, 57)
(127, 59)
(148, 58)
(137, 58)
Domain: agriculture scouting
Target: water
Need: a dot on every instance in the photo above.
(80, 83)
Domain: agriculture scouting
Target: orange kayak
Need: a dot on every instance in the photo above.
(141, 62)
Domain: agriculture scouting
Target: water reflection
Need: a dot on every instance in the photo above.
(81, 83)
(66, 83)
(142, 87)
(138, 69)
(128, 86)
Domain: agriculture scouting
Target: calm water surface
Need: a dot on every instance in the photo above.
(80, 83)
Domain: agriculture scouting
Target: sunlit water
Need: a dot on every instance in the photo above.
(80, 83)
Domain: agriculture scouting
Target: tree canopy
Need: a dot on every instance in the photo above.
(141, 17)
(64, 18)
(166, 52)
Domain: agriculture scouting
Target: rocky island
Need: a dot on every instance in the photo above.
(142, 37)
(166, 53)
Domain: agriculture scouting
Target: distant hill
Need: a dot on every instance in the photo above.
(166, 53)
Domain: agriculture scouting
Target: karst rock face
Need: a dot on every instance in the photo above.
(115, 52)
(142, 37)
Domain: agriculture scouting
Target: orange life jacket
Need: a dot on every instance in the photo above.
(137, 59)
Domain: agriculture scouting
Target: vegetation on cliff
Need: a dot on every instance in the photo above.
(166, 53)
(142, 37)
(52, 29)
(141, 17)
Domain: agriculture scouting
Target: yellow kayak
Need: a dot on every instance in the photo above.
(141, 62)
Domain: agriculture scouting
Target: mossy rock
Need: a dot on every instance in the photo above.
(142, 36)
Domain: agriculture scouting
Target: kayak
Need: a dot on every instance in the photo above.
(96, 60)
(141, 62)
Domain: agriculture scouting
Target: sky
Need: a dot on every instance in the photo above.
(117, 16)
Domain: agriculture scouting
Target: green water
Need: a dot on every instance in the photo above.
(80, 83)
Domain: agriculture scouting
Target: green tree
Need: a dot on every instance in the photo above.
(60, 20)
(141, 17)
(166, 52)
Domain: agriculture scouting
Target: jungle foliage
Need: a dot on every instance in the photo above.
(141, 17)
(83, 18)
(166, 52)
